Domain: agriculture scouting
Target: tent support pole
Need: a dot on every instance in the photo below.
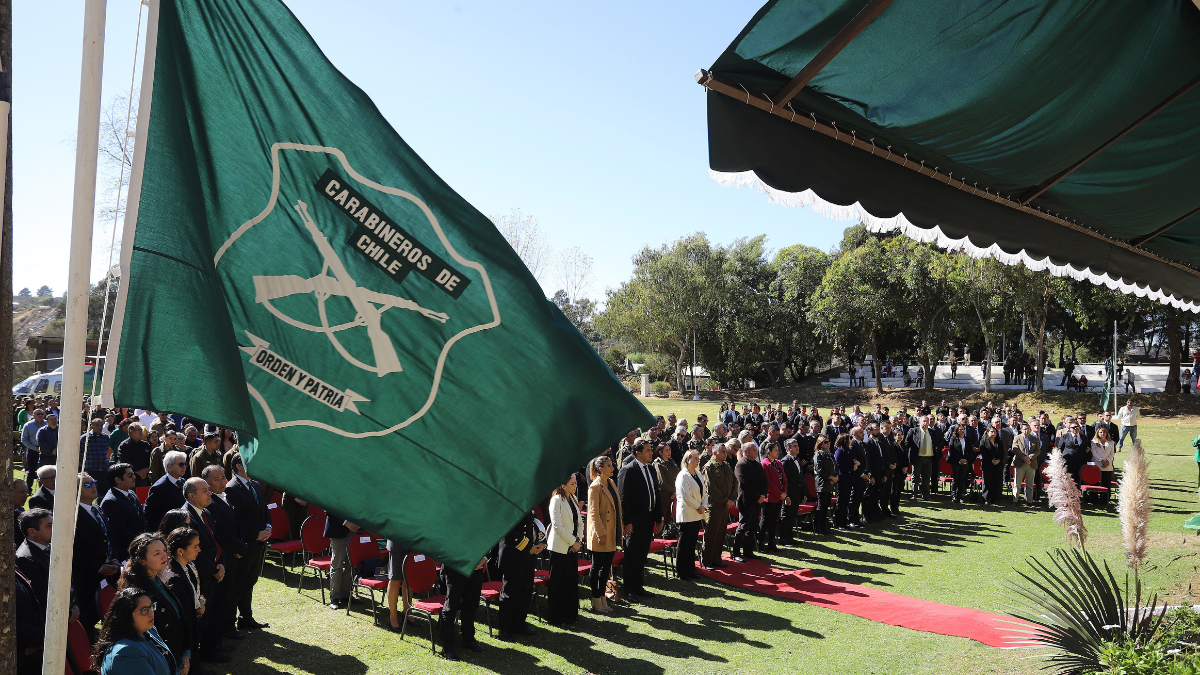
(1038, 189)
(848, 32)
(87, 139)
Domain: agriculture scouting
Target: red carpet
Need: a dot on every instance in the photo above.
(870, 603)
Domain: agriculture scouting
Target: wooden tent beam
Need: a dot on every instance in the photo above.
(851, 30)
(1035, 191)
(1138, 241)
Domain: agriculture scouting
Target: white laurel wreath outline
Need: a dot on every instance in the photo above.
(437, 374)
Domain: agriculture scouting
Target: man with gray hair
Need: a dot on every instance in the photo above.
(44, 497)
(210, 565)
(167, 492)
(29, 430)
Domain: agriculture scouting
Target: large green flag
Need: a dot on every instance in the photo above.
(299, 274)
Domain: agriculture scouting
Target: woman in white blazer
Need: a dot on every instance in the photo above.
(566, 538)
(691, 505)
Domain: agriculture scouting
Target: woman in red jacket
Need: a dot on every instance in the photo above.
(776, 497)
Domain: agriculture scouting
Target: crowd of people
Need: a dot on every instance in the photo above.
(185, 563)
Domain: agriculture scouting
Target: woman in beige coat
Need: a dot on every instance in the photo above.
(603, 527)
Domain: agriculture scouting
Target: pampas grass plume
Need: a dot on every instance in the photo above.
(1064, 497)
(1134, 504)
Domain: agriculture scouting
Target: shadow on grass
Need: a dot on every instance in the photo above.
(277, 650)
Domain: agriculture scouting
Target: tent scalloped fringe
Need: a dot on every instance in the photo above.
(935, 235)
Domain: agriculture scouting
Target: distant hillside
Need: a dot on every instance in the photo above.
(28, 322)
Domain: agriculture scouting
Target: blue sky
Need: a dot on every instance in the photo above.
(585, 116)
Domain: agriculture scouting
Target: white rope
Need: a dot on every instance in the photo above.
(112, 244)
(935, 235)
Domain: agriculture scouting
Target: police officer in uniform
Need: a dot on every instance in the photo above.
(518, 553)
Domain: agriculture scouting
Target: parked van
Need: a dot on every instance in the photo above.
(50, 384)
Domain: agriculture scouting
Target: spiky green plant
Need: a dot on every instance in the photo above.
(1077, 605)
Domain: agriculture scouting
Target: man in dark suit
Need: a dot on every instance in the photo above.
(924, 447)
(229, 535)
(752, 492)
(167, 492)
(642, 514)
(33, 555)
(1104, 419)
(793, 471)
(1086, 431)
(122, 510)
(1074, 452)
(31, 626)
(518, 553)
(858, 512)
(962, 460)
(44, 497)
(249, 503)
(93, 560)
(20, 493)
(879, 467)
(210, 565)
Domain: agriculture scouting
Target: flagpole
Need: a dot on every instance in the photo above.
(83, 212)
(1114, 368)
(132, 202)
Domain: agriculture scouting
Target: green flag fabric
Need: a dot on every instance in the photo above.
(1108, 386)
(299, 274)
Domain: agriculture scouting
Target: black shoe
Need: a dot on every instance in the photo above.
(505, 635)
(738, 559)
(449, 655)
(526, 631)
(720, 565)
(646, 594)
(337, 605)
(235, 634)
(216, 658)
(709, 569)
(226, 648)
(251, 624)
(632, 596)
(475, 647)
(852, 526)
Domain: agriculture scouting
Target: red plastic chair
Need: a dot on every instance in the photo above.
(490, 594)
(78, 648)
(105, 597)
(280, 526)
(314, 541)
(364, 546)
(142, 494)
(315, 511)
(420, 574)
(1089, 476)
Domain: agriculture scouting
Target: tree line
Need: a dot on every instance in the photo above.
(744, 313)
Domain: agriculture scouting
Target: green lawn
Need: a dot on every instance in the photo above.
(956, 555)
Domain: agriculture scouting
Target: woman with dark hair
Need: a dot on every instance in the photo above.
(228, 440)
(147, 559)
(776, 496)
(128, 640)
(182, 579)
(993, 453)
(231, 462)
(565, 536)
(173, 520)
(847, 469)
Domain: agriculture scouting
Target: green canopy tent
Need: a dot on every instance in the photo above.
(1058, 133)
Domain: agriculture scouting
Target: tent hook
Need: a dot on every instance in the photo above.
(747, 92)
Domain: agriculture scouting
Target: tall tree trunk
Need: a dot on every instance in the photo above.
(876, 361)
(987, 343)
(1172, 336)
(8, 613)
(1041, 342)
